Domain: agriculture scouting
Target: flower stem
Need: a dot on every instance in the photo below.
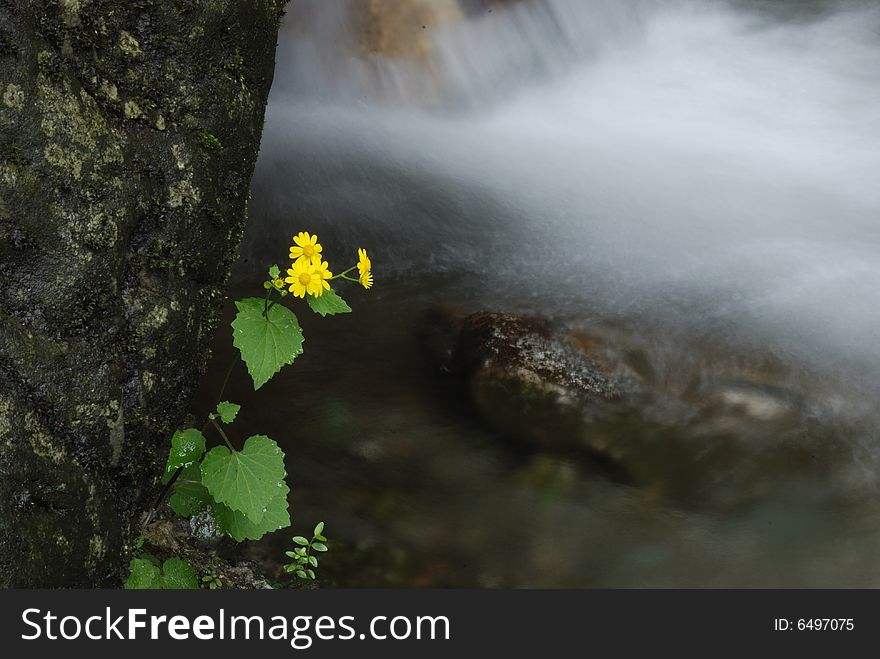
(223, 434)
(226, 377)
(167, 489)
(342, 274)
(266, 301)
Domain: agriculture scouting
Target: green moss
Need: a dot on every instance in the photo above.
(132, 110)
(5, 418)
(129, 45)
(109, 90)
(41, 441)
(69, 161)
(183, 194)
(210, 142)
(101, 230)
(13, 97)
(234, 63)
(70, 11)
(11, 154)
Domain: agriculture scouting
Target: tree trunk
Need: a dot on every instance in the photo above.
(128, 136)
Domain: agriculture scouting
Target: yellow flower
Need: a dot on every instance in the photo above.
(279, 283)
(364, 263)
(305, 248)
(320, 269)
(365, 269)
(303, 278)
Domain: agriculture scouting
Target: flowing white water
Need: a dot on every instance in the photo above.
(698, 168)
(685, 155)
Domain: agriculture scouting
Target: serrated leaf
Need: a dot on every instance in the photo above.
(266, 342)
(274, 272)
(187, 447)
(177, 574)
(246, 480)
(319, 529)
(227, 411)
(189, 497)
(143, 575)
(240, 527)
(329, 304)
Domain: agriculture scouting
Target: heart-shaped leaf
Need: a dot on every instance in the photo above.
(227, 411)
(266, 341)
(245, 480)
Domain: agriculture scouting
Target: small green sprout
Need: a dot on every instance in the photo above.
(304, 562)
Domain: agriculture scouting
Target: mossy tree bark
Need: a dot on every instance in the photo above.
(128, 136)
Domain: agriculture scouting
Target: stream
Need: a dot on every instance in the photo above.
(696, 180)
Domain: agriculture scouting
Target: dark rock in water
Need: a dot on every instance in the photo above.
(526, 380)
(526, 350)
(704, 432)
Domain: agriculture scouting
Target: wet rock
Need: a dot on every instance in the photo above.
(165, 538)
(128, 136)
(701, 431)
(204, 530)
(404, 28)
(531, 383)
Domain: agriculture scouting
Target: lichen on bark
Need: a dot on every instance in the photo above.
(119, 221)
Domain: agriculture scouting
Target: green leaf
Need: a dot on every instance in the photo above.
(265, 343)
(187, 446)
(319, 546)
(311, 574)
(177, 574)
(246, 480)
(240, 527)
(313, 561)
(298, 539)
(301, 574)
(143, 575)
(227, 411)
(274, 272)
(189, 497)
(329, 304)
(319, 529)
